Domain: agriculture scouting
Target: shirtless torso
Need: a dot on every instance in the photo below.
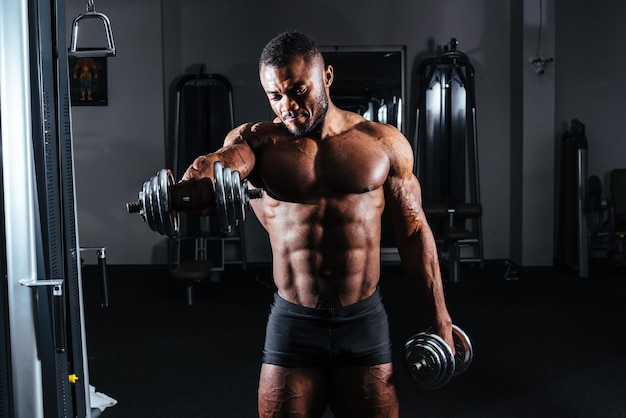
(323, 206)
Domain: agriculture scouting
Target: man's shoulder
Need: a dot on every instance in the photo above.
(380, 132)
(387, 138)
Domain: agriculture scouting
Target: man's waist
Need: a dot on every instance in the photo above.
(362, 306)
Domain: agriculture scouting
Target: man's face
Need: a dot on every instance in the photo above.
(298, 93)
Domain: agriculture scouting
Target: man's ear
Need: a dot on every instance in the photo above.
(329, 76)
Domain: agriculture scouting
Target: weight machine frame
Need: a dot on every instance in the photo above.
(446, 147)
(43, 361)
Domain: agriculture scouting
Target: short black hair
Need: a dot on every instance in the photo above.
(281, 50)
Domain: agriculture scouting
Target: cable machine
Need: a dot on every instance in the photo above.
(446, 150)
(43, 361)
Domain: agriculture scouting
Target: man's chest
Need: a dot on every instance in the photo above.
(300, 168)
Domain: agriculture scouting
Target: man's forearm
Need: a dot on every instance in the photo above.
(421, 261)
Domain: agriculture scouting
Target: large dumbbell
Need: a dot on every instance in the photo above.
(160, 210)
(430, 361)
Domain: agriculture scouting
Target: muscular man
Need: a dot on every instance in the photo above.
(328, 174)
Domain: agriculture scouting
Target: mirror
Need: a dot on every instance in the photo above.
(369, 80)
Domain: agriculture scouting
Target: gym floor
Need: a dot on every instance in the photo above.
(549, 344)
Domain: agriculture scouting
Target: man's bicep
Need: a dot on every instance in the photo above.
(404, 201)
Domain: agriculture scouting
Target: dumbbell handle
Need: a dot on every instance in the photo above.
(161, 199)
(186, 196)
(192, 195)
(134, 207)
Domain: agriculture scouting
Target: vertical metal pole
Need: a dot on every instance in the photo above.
(583, 250)
(104, 286)
(477, 223)
(20, 209)
(45, 54)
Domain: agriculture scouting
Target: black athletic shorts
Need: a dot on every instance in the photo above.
(357, 334)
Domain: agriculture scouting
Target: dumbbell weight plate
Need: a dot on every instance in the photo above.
(424, 364)
(447, 362)
(169, 217)
(464, 352)
(154, 204)
(220, 197)
(435, 356)
(155, 209)
(230, 197)
(239, 199)
(163, 219)
(146, 206)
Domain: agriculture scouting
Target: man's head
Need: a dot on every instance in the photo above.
(296, 81)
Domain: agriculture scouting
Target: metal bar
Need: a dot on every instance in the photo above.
(477, 222)
(51, 323)
(73, 286)
(104, 287)
(102, 264)
(109, 51)
(583, 250)
(19, 204)
(58, 312)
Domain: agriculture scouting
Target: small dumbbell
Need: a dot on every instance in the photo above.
(161, 200)
(429, 359)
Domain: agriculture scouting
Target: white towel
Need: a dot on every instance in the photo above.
(100, 400)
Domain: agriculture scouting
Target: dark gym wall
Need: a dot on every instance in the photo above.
(118, 147)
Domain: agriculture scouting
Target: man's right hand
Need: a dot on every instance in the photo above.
(193, 195)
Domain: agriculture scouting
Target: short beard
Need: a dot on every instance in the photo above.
(319, 110)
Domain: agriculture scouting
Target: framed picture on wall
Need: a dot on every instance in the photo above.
(88, 81)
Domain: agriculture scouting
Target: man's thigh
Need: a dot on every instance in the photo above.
(292, 392)
(363, 391)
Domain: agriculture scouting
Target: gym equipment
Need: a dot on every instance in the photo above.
(429, 358)
(203, 116)
(75, 52)
(102, 266)
(160, 209)
(572, 246)
(618, 214)
(606, 217)
(446, 137)
(455, 234)
(446, 144)
(41, 299)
